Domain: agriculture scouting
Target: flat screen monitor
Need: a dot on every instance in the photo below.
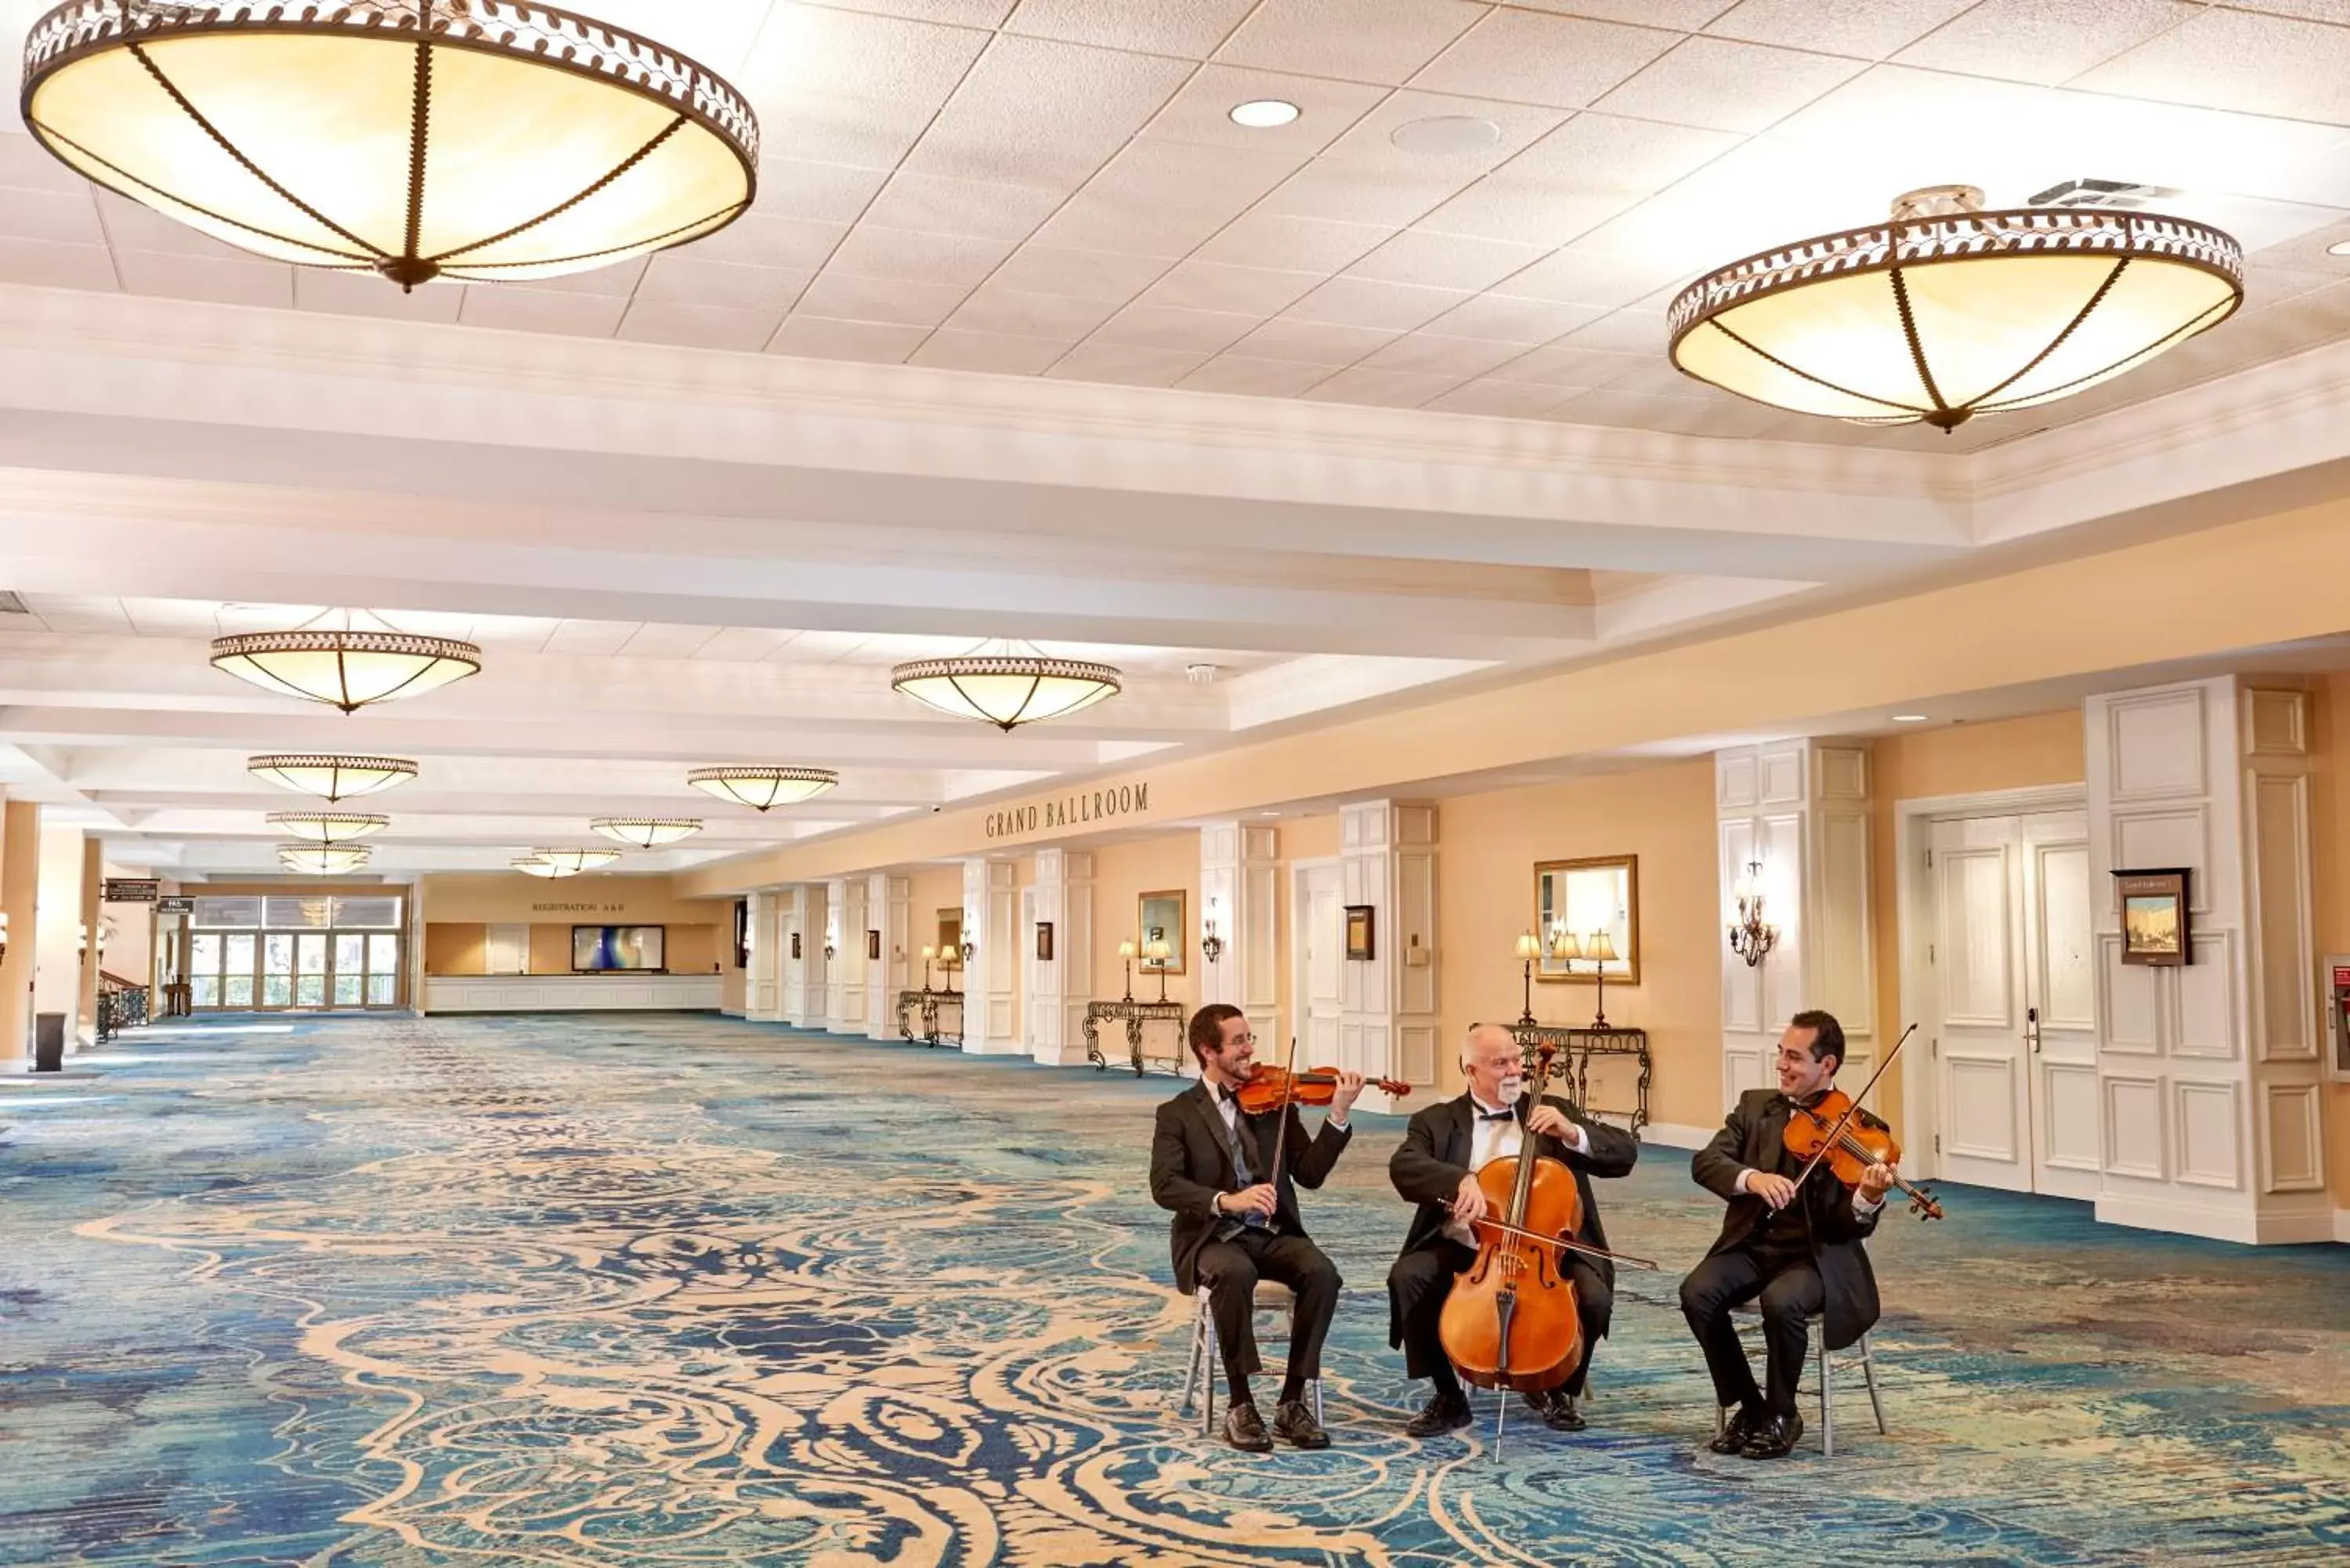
(617, 947)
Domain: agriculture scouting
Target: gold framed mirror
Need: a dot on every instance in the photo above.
(1577, 902)
(1160, 916)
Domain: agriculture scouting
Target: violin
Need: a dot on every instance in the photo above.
(1837, 1133)
(1269, 1088)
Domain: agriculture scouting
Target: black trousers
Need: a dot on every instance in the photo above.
(1421, 1280)
(1788, 1282)
(1231, 1269)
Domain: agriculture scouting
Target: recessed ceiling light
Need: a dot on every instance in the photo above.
(1446, 135)
(1264, 113)
(1909, 717)
(2338, 248)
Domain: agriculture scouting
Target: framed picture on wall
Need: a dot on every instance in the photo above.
(742, 933)
(1045, 941)
(1577, 902)
(872, 944)
(1359, 925)
(2155, 917)
(796, 944)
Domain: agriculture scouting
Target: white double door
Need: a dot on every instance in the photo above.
(1318, 938)
(2012, 1021)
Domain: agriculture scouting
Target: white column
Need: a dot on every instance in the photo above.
(56, 979)
(1801, 808)
(990, 921)
(844, 1011)
(763, 990)
(885, 912)
(2209, 1104)
(800, 927)
(1060, 987)
(1240, 883)
(1388, 1004)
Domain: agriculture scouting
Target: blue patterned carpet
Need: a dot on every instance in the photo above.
(680, 1291)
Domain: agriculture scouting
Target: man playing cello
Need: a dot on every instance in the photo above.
(1234, 1223)
(1437, 1167)
(1801, 1252)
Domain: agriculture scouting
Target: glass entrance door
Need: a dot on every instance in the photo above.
(220, 969)
(296, 952)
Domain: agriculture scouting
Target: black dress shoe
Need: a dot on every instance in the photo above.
(1556, 1408)
(1735, 1433)
(1244, 1429)
(1295, 1423)
(1774, 1437)
(1442, 1413)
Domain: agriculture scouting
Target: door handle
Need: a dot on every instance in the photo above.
(2032, 1028)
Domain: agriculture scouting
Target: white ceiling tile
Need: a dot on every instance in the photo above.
(617, 281)
(1721, 416)
(815, 338)
(2233, 59)
(1037, 112)
(1191, 28)
(1600, 152)
(1346, 190)
(686, 278)
(1156, 169)
(1313, 342)
(1003, 353)
(1426, 353)
(516, 308)
(699, 326)
(1255, 377)
(872, 250)
(244, 281)
(1173, 326)
(653, 640)
(2043, 41)
(1504, 400)
(826, 128)
(1134, 224)
(1208, 285)
(1622, 332)
(1284, 244)
(1202, 110)
(1683, 15)
(1126, 365)
(27, 165)
(1361, 302)
(1532, 57)
(2266, 283)
(852, 53)
(593, 636)
(1558, 366)
(1870, 29)
(981, 211)
(57, 266)
(769, 239)
(1446, 261)
(1507, 210)
(1589, 273)
(131, 226)
(53, 217)
(1516, 127)
(847, 296)
(1079, 274)
(997, 311)
(961, 13)
(744, 644)
(818, 193)
(1360, 40)
(366, 294)
(1724, 84)
(1500, 319)
(1381, 388)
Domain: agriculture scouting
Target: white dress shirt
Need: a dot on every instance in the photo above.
(1491, 1139)
(1227, 1104)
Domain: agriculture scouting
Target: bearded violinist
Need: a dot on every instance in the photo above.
(1235, 1224)
(1800, 1251)
(1436, 1166)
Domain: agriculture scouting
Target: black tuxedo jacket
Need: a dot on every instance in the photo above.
(1751, 1139)
(1190, 1167)
(1428, 1168)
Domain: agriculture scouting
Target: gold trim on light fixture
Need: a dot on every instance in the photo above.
(647, 832)
(575, 859)
(328, 826)
(323, 860)
(1017, 685)
(1947, 311)
(531, 866)
(763, 787)
(345, 667)
(482, 139)
(331, 776)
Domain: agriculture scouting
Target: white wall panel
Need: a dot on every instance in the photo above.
(2209, 1142)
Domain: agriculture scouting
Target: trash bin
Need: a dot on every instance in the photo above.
(48, 1042)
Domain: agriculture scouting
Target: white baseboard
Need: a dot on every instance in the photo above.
(2342, 1224)
(1677, 1134)
(1008, 1048)
(2178, 1219)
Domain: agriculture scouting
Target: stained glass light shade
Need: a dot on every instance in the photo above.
(322, 859)
(328, 827)
(1947, 311)
(331, 776)
(647, 832)
(1006, 684)
(336, 660)
(572, 860)
(763, 787)
(481, 140)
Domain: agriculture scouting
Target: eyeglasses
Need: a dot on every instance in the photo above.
(1249, 1040)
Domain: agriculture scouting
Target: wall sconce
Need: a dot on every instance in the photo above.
(1126, 954)
(827, 949)
(1751, 937)
(1211, 946)
(1529, 951)
(1159, 953)
(970, 949)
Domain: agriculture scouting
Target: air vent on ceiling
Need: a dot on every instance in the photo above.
(11, 604)
(2103, 194)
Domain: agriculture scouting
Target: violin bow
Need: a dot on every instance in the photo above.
(1851, 1110)
(1289, 1097)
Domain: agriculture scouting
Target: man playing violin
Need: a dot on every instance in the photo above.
(1437, 1167)
(1800, 1251)
(1235, 1224)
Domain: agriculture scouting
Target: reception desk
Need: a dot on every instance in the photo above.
(618, 992)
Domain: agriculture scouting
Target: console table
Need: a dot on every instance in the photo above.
(928, 1003)
(1135, 1014)
(1571, 1067)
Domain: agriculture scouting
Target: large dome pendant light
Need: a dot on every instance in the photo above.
(323, 860)
(1006, 684)
(331, 776)
(570, 861)
(762, 786)
(647, 832)
(332, 659)
(1948, 311)
(483, 139)
(328, 826)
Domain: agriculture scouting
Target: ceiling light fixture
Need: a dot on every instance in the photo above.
(1006, 684)
(346, 665)
(1909, 717)
(328, 826)
(647, 832)
(763, 787)
(331, 776)
(575, 859)
(1948, 311)
(531, 866)
(323, 860)
(482, 139)
(1264, 113)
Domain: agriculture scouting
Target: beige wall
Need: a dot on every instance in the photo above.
(1487, 845)
(2330, 849)
(595, 898)
(459, 946)
(1123, 872)
(929, 889)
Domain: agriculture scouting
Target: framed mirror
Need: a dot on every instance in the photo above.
(1581, 899)
(951, 933)
(1160, 917)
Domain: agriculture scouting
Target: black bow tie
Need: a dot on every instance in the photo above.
(1497, 1115)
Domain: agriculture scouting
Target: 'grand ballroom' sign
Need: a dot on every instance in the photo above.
(1078, 808)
